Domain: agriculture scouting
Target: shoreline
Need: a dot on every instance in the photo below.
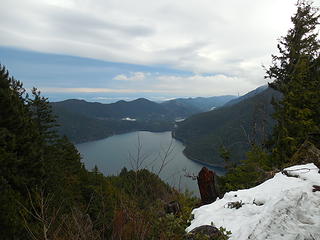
(206, 164)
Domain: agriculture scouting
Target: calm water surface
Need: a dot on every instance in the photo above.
(113, 153)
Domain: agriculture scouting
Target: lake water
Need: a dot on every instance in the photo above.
(141, 149)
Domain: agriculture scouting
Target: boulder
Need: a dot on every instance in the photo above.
(209, 231)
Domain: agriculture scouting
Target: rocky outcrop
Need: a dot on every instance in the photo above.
(207, 186)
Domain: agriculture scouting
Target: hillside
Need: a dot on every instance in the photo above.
(200, 104)
(84, 121)
(80, 128)
(246, 96)
(233, 127)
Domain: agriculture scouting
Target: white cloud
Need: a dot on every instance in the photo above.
(192, 85)
(93, 90)
(135, 76)
(121, 77)
(209, 85)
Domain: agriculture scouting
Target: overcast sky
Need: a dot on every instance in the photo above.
(103, 50)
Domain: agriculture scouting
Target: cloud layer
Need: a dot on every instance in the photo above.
(220, 42)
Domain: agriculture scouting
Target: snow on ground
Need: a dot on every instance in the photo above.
(282, 208)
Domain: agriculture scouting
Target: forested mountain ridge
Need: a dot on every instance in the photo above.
(140, 108)
(83, 121)
(234, 127)
(201, 104)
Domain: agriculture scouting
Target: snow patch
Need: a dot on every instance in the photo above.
(179, 119)
(129, 119)
(283, 208)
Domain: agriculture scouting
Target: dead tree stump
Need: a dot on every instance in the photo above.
(207, 186)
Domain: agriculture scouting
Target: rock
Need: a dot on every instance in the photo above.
(172, 207)
(307, 153)
(289, 173)
(316, 188)
(207, 186)
(207, 230)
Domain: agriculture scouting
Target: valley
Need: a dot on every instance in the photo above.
(169, 120)
(203, 125)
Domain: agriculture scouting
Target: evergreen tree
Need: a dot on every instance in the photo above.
(19, 155)
(42, 116)
(296, 75)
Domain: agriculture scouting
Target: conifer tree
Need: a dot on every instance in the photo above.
(296, 75)
(42, 115)
(32, 157)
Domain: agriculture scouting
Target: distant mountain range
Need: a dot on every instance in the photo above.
(234, 126)
(85, 121)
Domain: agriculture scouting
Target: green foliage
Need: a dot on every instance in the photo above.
(224, 153)
(248, 173)
(225, 234)
(173, 226)
(19, 158)
(296, 75)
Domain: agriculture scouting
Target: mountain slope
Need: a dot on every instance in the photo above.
(234, 127)
(246, 96)
(200, 104)
(84, 121)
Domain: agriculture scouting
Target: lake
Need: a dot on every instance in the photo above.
(158, 152)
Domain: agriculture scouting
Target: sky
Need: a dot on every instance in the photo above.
(106, 50)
